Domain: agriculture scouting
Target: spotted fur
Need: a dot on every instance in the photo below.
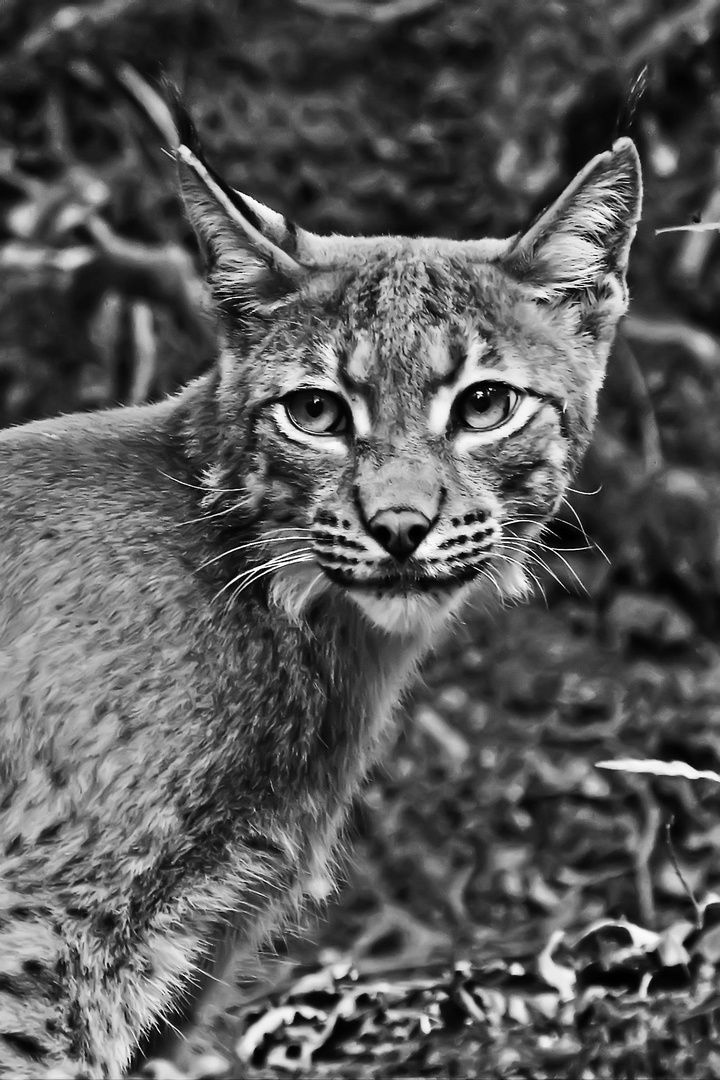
(202, 636)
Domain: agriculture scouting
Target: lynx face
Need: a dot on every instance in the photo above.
(399, 417)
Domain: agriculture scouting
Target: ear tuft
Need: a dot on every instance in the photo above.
(577, 250)
(184, 126)
(250, 248)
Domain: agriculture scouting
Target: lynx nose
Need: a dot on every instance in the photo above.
(399, 531)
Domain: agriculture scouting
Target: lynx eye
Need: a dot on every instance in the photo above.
(318, 412)
(485, 406)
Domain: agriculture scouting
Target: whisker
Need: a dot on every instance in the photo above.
(563, 585)
(594, 543)
(525, 570)
(571, 568)
(207, 517)
(202, 487)
(493, 581)
(265, 570)
(537, 560)
(272, 564)
(249, 544)
(256, 575)
(550, 548)
(566, 502)
(577, 525)
(543, 566)
(531, 574)
(525, 521)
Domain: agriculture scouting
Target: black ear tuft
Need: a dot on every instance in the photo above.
(187, 134)
(250, 249)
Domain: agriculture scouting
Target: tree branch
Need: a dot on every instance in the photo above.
(665, 32)
(699, 343)
(389, 11)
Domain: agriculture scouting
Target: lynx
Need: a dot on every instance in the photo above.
(211, 606)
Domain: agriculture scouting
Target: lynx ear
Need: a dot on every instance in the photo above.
(577, 250)
(250, 248)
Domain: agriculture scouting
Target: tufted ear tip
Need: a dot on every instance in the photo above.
(577, 250)
(251, 250)
(184, 125)
(626, 147)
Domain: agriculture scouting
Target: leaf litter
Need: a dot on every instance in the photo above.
(515, 911)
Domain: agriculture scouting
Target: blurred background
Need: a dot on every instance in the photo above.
(489, 845)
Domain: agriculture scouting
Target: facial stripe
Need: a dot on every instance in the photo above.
(357, 368)
(467, 370)
(336, 370)
(446, 358)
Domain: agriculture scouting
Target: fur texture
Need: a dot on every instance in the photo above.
(203, 629)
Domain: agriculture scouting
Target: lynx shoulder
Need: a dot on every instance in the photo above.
(211, 606)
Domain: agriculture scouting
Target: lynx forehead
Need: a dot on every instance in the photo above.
(413, 333)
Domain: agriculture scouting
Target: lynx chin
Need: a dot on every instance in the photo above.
(211, 606)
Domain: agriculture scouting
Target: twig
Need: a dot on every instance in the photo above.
(160, 272)
(79, 28)
(21, 257)
(699, 343)
(452, 743)
(646, 846)
(678, 871)
(71, 22)
(142, 331)
(665, 33)
(152, 104)
(388, 12)
(649, 430)
(695, 249)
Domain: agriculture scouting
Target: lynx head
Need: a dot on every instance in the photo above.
(397, 418)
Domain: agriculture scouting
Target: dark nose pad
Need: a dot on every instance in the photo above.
(399, 531)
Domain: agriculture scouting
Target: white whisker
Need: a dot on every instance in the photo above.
(251, 544)
(487, 573)
(577, 525)
(573, 511)
(272, 564)
(202, 487)
(525, 570)
(571, 568)
(536, 559)
(207, 517)
(581, 527)
(548, 547)
(263, 571)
